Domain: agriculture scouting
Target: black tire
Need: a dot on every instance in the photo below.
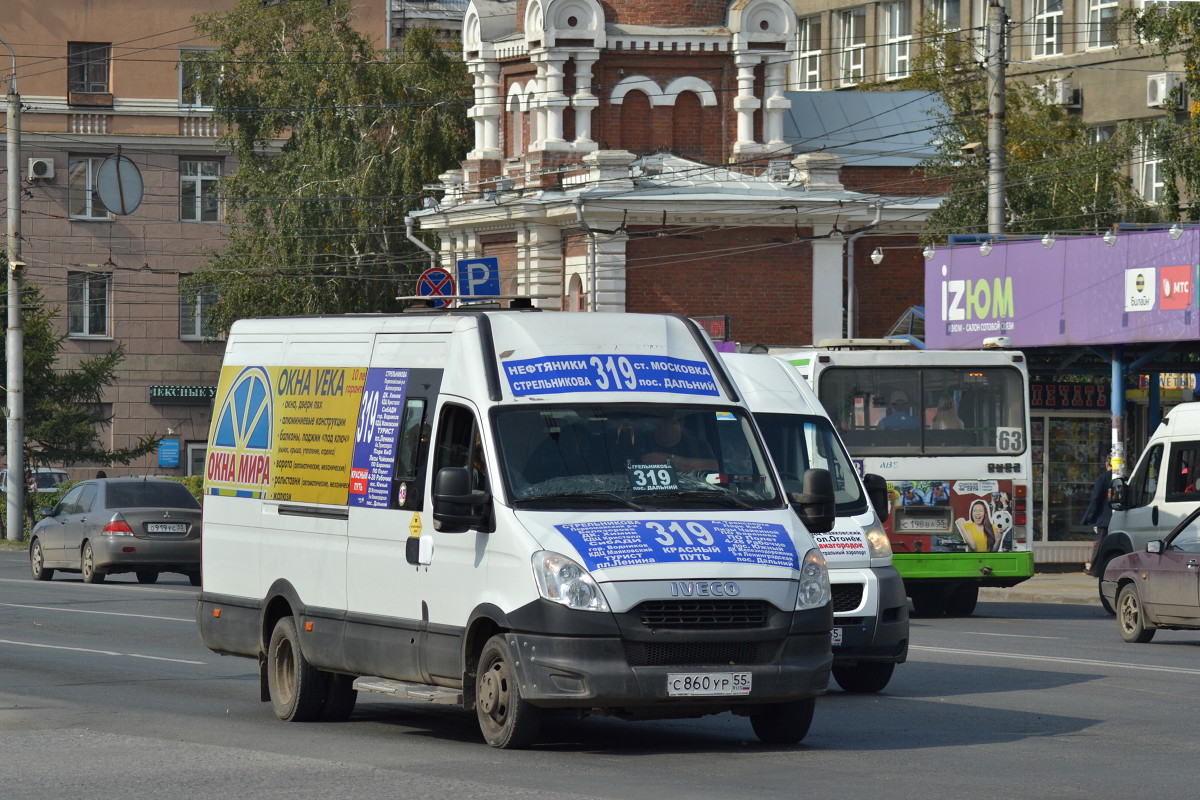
(1131, 622)
(87, 565)
(147, 576)
(1100, 577)
(194, 578)
(927, 601)
(962, 601)
(340, 697)
(297, 687)
(506, 719)
(865, 677)
(37, 562)
(783, 723)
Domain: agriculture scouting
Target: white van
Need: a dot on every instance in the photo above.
(870, 608)
(514, 511)
(1163, 488)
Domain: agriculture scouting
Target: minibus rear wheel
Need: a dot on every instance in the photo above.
(297, 687)
(506, 719)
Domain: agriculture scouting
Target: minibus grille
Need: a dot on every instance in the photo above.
(846, 596)
(689, 654)
(709, 614)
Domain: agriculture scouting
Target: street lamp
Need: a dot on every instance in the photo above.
(985, 248)
(877, 256)
(1048, 241)
(1110, 237)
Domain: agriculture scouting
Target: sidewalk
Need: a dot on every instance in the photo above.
(1048, 587)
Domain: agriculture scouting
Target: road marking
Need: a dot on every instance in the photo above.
(1011, 635)
(102, 613)
(1088, 662)
(98, 652)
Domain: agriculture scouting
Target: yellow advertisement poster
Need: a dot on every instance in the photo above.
(284, 433)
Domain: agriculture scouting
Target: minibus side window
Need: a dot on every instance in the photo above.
(1144, 483)
(411, 455)
(459, 445)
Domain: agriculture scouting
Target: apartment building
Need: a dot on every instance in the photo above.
(95, 79)
(1090, 62)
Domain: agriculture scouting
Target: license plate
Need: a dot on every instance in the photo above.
(910, 524)
(836, 636)
(707, 684)
(166, 527)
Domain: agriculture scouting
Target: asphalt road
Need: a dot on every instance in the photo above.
(106, 691)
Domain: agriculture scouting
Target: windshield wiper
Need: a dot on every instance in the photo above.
(558, 497)
(720, 498)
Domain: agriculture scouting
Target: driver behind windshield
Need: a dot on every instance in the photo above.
(673, 444)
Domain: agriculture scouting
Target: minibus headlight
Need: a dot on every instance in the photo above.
(814, 581)
(561, 580)
(877, 541)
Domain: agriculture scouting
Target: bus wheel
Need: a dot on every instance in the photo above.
(962, 601)
(927, 601)
(783, 723)
(864, 678)
(297, 687)
(506, 719)
(340, 697)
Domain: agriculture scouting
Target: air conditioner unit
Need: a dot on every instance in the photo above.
(1159, 87)
(41, 169)
(1059, 92)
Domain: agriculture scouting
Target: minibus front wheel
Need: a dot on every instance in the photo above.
(506, 719)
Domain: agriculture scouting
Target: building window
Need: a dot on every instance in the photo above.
(1102, 23)
(1047, 27)
(189, 93)
(1150, 179)
(948, 14)
(198, 197)
(851, 44)
(87, 67)
(83, 191)
(195, 306)
(809, 55)
(87, 303)
(897, 30)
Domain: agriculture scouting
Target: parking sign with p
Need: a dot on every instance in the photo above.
(479, 277)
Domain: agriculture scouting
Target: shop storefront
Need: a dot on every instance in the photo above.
(1071, 436)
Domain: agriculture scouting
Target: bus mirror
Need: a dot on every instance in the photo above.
(877, 493)
(1118, 493)
(816, 505)
(457, 507)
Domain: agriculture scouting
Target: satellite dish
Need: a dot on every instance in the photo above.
(120, 184)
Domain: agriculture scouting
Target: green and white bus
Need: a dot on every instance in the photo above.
(949, 430)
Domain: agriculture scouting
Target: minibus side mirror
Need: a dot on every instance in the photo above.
(456, 507)
(877, 493)
(1118, 493)
(816, 506)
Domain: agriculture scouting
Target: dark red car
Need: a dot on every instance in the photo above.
(1158, 587)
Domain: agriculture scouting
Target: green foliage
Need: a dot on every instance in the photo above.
(195, 485)
(63, 410)
(334, 141)
(1056, 178)
(1174, 31)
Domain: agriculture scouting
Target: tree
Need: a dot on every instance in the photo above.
(1173, 32)
(317, 221)
(63, 409)
(1057, 177)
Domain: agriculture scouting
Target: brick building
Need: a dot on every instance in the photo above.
(643, 157)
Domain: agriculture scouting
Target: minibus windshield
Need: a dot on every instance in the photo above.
(634, 457)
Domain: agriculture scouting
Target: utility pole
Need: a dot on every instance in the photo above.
(996, 117)
(15, 341)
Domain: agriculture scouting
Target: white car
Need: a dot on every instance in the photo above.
(46, 478)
